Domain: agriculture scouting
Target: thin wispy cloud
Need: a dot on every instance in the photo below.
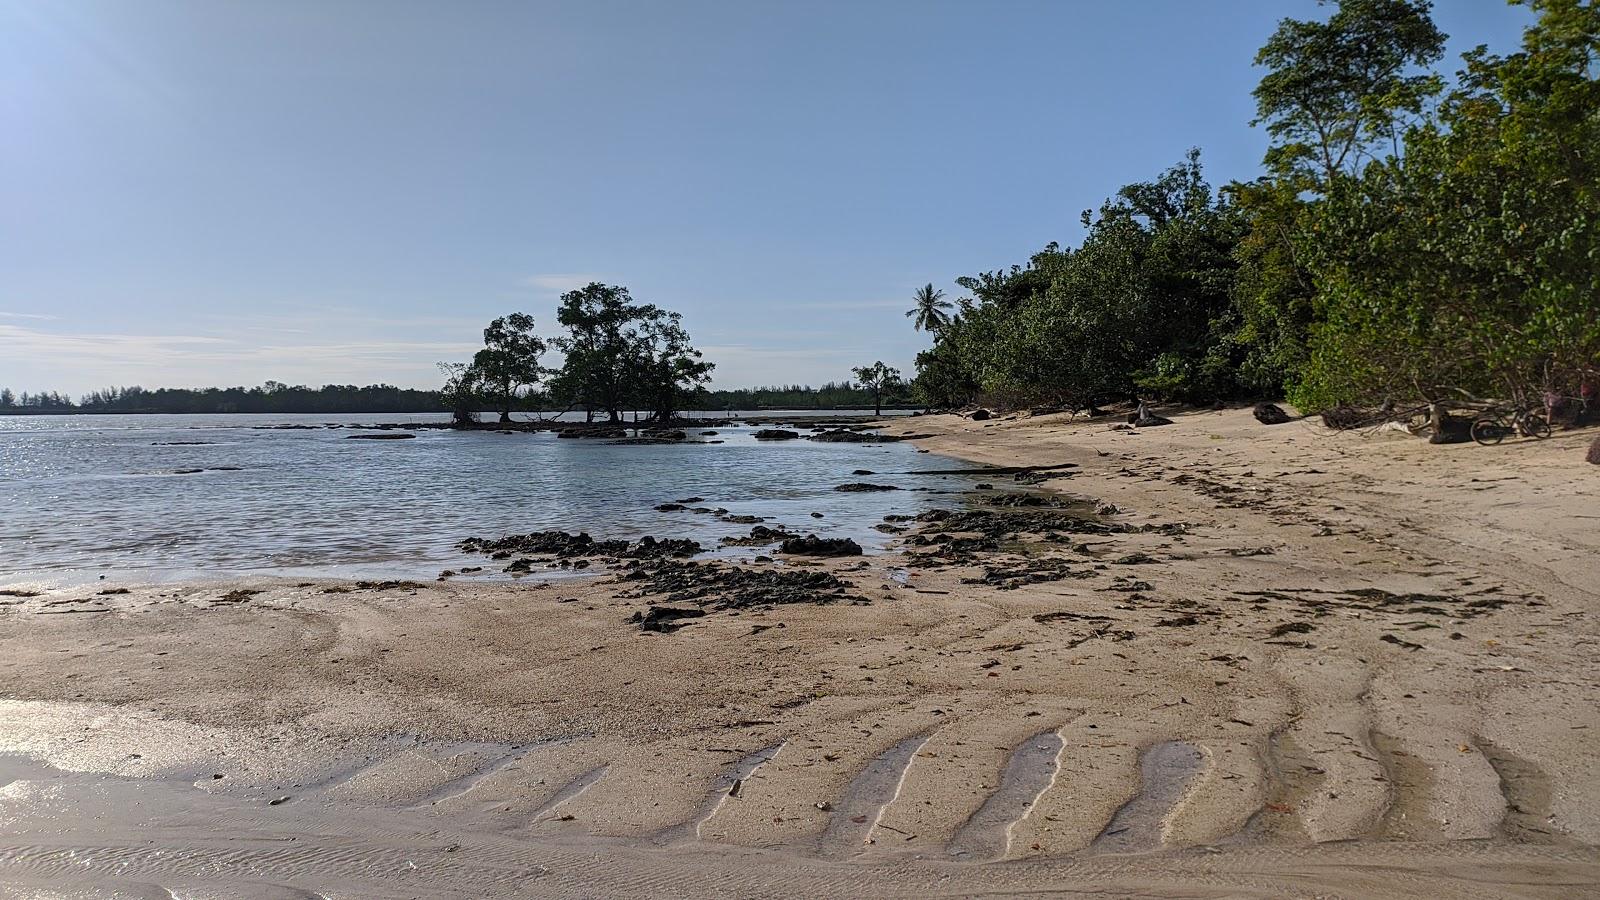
(854, 304)
(16, 315)
(38, 358)
(557, 283)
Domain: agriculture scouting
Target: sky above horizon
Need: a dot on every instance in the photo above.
(216, 192)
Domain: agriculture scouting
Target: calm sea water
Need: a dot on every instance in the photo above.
(171, 496)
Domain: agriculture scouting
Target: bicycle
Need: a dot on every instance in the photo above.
(1492, 426)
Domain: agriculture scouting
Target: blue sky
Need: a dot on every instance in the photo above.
(225, 192)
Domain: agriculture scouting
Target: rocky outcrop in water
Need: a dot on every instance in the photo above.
(811, 545)
(852, 436)
(563, 545)
(776, 434)
(759, 536)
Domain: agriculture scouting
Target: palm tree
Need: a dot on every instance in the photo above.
(929, 313)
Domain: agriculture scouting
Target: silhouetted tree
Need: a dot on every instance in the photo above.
(929, 312)
(508, 364)
(876, 378)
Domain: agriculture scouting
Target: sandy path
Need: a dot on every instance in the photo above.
(1352, 638)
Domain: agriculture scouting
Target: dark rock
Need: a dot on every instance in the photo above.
(606, 432)
(562, 545)
(811, 545)
(665, 619)
(776, 434)
(1178, 622)
(850, 436)
(1270, 414)
(379, 437)
(759, 536)
(1448, 429)
(981, 415)
(722, 587)
(862, 487)
(708, 434)
(691, 500)
(863, 472)
(670, 507)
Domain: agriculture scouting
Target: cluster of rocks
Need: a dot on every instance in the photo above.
(811, 545)
(720, 586)
(1029, 571)
(563, 545)
(759, 536)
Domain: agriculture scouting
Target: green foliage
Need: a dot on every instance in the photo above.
(1393, 251)
(877, 378)
(461, 391)
(620, 353)
(1336, 90)
(666, 369)
(1132, 308)
(931, 310)
(272, 397)
(831, 395)
(1473, 262)
(508, 364)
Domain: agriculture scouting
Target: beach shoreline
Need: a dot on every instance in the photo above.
(1274, 661)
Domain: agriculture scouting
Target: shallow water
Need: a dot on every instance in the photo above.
(174, 496)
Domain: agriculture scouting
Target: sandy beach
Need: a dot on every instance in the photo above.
(1214, 659)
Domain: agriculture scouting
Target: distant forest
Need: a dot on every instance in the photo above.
(275, 397)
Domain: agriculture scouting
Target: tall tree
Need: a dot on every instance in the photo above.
(1469, 263)
(508, 364)
(1336, 90)
(930, 312)
(599, 348)
(876, 378)
(666, 366)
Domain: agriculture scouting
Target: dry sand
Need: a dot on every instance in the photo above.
(1363, 667)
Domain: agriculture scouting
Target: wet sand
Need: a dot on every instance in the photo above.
(1332, 665)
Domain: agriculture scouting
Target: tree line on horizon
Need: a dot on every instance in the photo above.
(1411, 239)
(619, 356)
(275, 397)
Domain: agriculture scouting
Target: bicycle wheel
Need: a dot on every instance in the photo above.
(1536, 427)
(1488, 432)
